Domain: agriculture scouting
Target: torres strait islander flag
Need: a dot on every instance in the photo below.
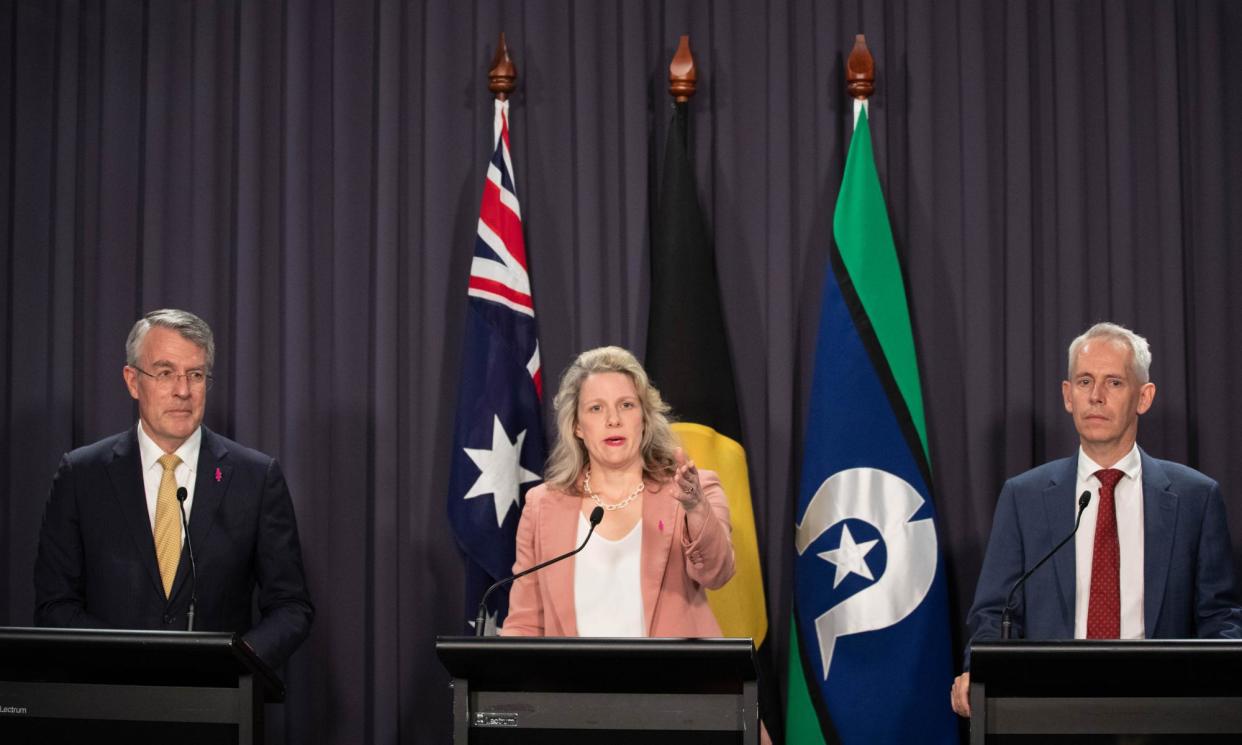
(870, 659)
(498, 442)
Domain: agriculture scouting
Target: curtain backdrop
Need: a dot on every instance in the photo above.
(306, 176)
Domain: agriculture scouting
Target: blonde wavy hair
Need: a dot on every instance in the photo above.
(569, 455)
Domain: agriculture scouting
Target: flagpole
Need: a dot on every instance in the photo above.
(501, 81)
(683, 77)
(502, 77)
(860, 74)
(683, 81)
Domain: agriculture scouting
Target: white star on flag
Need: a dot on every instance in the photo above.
(500, 471)
(849, 557)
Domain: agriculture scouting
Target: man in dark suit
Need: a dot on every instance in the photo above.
(111, 550)
(1152, 556)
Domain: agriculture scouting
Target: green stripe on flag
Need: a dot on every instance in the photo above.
(865, 240)
(801, 723)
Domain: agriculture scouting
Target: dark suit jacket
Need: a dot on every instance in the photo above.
(96, 566)
(1188, 584)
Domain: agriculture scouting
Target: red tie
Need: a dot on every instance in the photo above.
(1104, 607)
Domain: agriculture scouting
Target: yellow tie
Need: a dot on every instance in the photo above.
(168, 523)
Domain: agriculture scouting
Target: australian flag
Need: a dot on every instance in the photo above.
(498, 443)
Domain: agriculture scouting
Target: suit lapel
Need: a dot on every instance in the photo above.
(1060, 510)
(1159, 519)
(208, 494)
(125, 471)
(659, 525)
(560, 531)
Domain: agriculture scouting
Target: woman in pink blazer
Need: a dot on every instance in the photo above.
(665, 536)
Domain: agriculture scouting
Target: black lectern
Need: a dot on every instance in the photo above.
(1190, 689)
(559, 690)
(196, 686)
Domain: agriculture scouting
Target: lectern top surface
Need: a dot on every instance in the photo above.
(562, 663)
(155, 657)
(1110, 667)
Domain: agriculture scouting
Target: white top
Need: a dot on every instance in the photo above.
(608, 592)
(1128, 498)
(149, 453)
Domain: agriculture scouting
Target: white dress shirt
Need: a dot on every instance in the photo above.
(1128, 498)
(152, 471)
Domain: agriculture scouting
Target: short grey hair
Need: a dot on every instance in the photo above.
(1140, 351)
(190, 326)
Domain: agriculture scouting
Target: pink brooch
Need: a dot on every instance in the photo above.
(217, 475)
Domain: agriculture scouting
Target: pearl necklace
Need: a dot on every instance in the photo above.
(586, 486)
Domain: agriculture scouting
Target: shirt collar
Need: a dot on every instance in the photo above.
(1130, 464)
(151, 453)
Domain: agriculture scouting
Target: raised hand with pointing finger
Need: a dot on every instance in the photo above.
(689, 490)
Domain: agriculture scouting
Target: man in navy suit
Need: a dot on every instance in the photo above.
(1152, 556)
(112, 553)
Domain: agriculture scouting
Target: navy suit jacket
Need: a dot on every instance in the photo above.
(1188, 584)
(96, 566)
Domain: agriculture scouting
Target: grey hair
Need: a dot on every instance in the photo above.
(1140, 351)
(569, 455)
(190, 326)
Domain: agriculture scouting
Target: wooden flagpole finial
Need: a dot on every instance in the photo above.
(502, 78)
(860, 70)
(682, 77)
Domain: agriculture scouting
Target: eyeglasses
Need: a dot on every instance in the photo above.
(167, 379)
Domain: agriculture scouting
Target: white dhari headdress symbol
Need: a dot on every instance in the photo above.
(887, 502)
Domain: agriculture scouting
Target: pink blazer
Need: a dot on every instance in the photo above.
(675, 569)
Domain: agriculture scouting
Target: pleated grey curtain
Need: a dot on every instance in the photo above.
(306, 176)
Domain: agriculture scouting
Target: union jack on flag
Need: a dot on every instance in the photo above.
(498, 443)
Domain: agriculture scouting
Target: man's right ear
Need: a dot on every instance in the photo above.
(131, 380)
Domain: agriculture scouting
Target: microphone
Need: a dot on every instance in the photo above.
(1007, 613)
(185, 525)
(480, 620)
